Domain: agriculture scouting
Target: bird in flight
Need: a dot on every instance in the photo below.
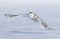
(33, 17)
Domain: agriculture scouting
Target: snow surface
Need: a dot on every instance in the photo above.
(22, 27)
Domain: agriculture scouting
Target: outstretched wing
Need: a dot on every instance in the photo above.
(10, 15)
(45, 25)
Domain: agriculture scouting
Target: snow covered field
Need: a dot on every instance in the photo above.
(22, 27)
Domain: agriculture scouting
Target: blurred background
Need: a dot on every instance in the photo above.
(24, 28)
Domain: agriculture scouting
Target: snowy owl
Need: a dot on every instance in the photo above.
(33, 17)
